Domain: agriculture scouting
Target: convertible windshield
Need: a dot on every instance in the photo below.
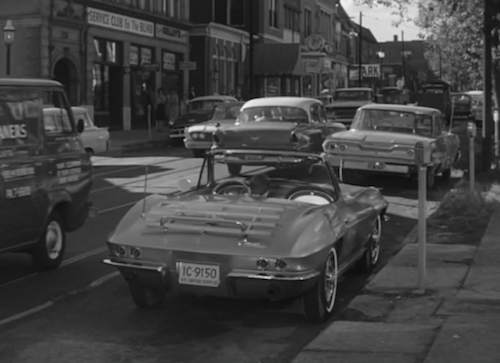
(203, 105)
(353, 96)
(273, 113)
(270, 174)
(393, 121)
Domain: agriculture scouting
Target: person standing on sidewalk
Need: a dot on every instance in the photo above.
(192, 93)
(173, 105)
(161, 109)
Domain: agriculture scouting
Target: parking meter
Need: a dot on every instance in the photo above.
(471, 130)
(422, 153)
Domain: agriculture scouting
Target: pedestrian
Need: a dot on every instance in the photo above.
(192, 93)
(173, 105)
(161, 109)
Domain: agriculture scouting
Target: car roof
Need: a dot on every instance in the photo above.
(354, 89)
(281, 101)
(401, 108)
(52, 109)
(214, 98)
(26, 82)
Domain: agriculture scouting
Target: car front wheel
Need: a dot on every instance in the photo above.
(320, 300)
(146, 296)
(49, 250)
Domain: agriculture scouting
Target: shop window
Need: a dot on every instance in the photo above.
(107, 51)
(146, 55)
(307, 22)
(134, 55)
(100, 87)
(215, 75)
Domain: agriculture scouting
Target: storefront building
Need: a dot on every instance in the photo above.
(111, 58)
(326, 69)
(219, 52)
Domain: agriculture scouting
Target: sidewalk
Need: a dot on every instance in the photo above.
(136, 140)
(456, 320)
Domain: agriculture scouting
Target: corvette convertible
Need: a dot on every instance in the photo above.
(258, 236)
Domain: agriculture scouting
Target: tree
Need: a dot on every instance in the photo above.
(454, 28)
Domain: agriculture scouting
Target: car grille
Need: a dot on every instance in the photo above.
(176, 132)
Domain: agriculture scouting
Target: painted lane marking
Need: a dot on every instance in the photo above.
(50, 303)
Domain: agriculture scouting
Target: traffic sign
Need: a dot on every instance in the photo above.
(187, 66)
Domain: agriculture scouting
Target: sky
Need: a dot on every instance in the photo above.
(380, 21)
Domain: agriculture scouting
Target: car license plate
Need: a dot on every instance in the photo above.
(376, 165)
(254, 157)
(199, 274)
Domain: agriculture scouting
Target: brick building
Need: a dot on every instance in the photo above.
(112, 55)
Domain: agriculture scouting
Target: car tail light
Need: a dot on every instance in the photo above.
(280, 265)
(119, 251)
(262, 264)
(342, 147)
(135, 252)
(294, 138)
(410, 152)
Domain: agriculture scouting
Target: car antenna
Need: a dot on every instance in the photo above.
(143, 214)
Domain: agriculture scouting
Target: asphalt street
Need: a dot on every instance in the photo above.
(82, 312)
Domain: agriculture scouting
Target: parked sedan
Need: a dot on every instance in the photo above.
(95, 139)
(278, 123)
(382, 140)
(199, 110)
(260, 237)
(462, 106)
(199, 137)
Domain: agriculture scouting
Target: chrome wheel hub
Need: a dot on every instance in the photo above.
(331, 272)
(53, 240)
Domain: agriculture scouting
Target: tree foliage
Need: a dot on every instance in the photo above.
(453, 29)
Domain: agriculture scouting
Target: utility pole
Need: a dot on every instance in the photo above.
(360, 49)
(487, 70)
(250, 49)
(403, 60)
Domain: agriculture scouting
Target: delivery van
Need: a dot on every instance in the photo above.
(45, 173)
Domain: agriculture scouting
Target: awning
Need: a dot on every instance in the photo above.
(277, 60)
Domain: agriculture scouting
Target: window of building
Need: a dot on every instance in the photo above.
(215, 75)
(222, 70)
(107, 54)
(307, 22)
(273, 13)
(292, 19)
(236, 12)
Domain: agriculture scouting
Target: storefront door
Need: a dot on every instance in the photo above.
(142, 88)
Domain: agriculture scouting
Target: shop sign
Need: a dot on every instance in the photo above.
(368, 71)
(134, 55)
(120, 22)
(146, 55)
(169, 33)
(315, 43)
(168, 61)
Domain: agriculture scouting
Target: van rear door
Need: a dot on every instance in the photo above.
(21, 201)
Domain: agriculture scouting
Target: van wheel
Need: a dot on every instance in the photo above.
(49, 250)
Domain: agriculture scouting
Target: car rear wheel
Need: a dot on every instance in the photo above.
(49, 250)
(198, 153)
(320, 300)
(234, 169)
(146, 296)
(372, 253)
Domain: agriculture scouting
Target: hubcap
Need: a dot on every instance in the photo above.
(331, 272)
(375, 240)
(54, 240)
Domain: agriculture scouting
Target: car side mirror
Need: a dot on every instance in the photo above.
(80, 126)
(184, 185)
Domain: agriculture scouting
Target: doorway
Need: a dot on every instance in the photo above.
(65, 72)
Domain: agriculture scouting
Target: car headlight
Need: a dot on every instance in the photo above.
(410, 152)
(202, 136)
(171, 122)
(342, 147)
(195, 135)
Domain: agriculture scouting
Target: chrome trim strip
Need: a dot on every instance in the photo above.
(159, 269)
(246, 275)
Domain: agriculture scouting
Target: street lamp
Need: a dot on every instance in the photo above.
(8, 38)
(381, 55)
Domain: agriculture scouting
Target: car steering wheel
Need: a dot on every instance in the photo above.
(310, 195)
(239, 186)
(390, 123)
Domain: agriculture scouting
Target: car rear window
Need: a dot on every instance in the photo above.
(19, 112)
